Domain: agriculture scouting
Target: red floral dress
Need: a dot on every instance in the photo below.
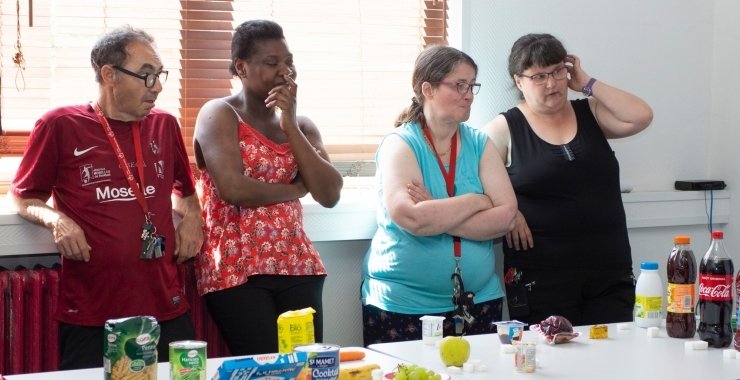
(244, 241)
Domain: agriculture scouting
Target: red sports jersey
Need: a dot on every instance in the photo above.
(70, 158)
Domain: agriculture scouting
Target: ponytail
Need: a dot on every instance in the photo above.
(415, 112)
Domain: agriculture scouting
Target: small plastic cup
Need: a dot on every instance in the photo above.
(525, 356)
(431, 329)
(510, 331)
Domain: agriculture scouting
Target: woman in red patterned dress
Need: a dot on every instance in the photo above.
(257, 159)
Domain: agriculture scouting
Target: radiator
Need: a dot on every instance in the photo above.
(29, 335)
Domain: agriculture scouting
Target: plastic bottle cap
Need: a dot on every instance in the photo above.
(649, 265)
(718, 235)
(682, 239)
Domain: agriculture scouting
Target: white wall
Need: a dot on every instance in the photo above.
(660, 50)
(342, 305)
(725, 111)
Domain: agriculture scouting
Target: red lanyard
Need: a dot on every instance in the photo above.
(122, 159)
(449, 176)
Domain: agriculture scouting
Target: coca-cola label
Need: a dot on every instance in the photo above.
(715, 287)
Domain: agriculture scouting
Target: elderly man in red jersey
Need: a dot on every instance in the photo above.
(112, 167)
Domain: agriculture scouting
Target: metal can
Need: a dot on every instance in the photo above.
(188, 360)
(323, 360)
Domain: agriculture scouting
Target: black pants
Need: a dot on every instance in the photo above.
(583, 297)
(380, 326)
(247, 314)
(82, 346)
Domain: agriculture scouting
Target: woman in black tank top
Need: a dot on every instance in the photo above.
(569, 253)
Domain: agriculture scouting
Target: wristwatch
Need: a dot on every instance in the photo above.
(587, 90)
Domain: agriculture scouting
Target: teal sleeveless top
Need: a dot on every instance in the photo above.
(409, 274)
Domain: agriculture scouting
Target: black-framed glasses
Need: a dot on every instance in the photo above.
(463, 87)
(149, 79)
(540, 78)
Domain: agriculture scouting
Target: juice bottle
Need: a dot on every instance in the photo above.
(681, 271)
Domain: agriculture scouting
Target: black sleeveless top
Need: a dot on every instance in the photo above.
(569, 195)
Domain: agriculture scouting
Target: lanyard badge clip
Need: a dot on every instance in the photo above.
(152, 245)
(462, 300)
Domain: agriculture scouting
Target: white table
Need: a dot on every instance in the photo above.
(626, 354)
(386, 362)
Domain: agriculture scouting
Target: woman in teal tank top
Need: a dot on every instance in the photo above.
(443, 196)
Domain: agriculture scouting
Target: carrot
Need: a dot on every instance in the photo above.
(305, 374)
(350, 355)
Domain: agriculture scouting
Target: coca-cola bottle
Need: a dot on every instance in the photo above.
(715, 294)
(680, 321)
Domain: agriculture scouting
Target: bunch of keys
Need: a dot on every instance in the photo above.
(152, 245)
(463, 301)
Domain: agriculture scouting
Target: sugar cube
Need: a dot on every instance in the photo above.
(696, 345)
(507, 349)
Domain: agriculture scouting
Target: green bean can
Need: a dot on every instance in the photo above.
(188, 360)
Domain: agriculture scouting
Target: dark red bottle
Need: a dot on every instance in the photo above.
(736, 340)
(680, 321)
(715, 294)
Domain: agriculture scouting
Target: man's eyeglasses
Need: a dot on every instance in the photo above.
(540, 78)
(463, 87)
(149, 79)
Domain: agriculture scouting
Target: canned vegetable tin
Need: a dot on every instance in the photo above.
(188, 360)
(323, 360)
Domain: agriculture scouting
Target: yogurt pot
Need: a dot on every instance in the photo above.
(510, 331)
(431, 329)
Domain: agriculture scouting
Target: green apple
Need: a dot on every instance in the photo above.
(454, 351)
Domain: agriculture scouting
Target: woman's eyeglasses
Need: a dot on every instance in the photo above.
(462, 87)
(540, 78)
(149, 79)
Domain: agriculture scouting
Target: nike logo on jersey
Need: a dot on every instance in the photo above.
(81, 152)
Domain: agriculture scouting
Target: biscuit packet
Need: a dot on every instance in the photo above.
(263, 367)
(130, 348)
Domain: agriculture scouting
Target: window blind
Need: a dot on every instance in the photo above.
(56, 52)
(207, 27)
(354, 59)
